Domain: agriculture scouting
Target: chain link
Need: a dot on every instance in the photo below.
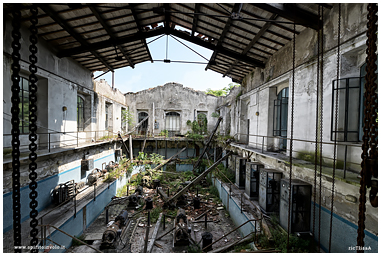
(321, 116)
(336, 122)
(16, 35)
(317, 124)
(291, 138)
(370, 124)
(33, 127)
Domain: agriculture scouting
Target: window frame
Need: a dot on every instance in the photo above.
(80, 129)
(23, 117)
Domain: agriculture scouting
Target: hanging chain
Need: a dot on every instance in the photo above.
(369, 159)
(321, 115)
(317, 124)
(33, 127)
(291, 138)
(15, 129)
(336, 121)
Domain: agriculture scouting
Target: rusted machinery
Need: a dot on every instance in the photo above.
(94, 176)
(62, 192)
(114, 230)
(181, 232)
(133, 200)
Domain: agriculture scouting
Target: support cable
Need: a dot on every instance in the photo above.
(336, 121)
(321, 116)
(291, 139)
(317, 126)
(15, 109)
(33, 127)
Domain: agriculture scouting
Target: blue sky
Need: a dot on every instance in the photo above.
(147, 75)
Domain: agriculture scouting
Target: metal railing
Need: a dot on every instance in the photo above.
(57, 140)
(264, 146)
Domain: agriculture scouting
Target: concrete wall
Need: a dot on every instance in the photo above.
(116, 100)
(345, 210)
(261, 86)
(60, 80)
(53, 169)
(170, 97)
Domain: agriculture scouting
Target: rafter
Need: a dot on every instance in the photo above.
(136, 19)
(195, 18)
(251, 44)
(293, 13)
(65, 26)
(109, 43)
(110, 33)
(228, 23)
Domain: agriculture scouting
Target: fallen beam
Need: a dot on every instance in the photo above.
(234, 243)
(207, 144)
(198, 179)
(136, 126)
(154, 234)
(166, 161)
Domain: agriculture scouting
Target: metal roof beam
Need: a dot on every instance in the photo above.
(236, 9)
(219, 48)
(136, 19)
(195, 18)
(109, 43)
(292, 13)
(255, 39)
(65, 26)
(110, 33)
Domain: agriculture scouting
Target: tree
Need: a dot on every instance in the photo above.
(222, 92)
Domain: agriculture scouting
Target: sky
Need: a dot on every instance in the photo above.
(147, 75)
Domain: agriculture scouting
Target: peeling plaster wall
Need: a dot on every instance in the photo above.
(172, 97)
(59, 82)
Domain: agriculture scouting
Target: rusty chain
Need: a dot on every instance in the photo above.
(369, 159)
(33, 127)
(15, 109)
(291, 138)
(317, 124)
(321, 117)
(336, 121)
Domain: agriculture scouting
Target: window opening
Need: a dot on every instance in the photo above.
(281, 117)
(172, 123)
(24, 105)
(80, 114)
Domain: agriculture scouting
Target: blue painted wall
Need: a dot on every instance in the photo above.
(44, 189)
(344, 233)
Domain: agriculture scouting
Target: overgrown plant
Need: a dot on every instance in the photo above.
(164, 133)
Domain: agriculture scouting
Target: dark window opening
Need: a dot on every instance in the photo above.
(280, 117)
(80, 114)
(24, 106)
(172, 123)
(143, 127)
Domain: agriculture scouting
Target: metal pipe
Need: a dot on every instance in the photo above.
(95, 192)
(76, 239)
(345, 160)
(241, 202)
(77, 139)
(106, 215)
(147, 232)
(224, 236)
(49, 141)
(75, 202)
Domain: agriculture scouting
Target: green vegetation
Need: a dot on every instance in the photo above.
(241, 247)
(224, 174)
(76, 243)
(108, 137)
(215, 114)
(199, 127)
(7, 151)
(222, 92)
(310, 157)
(127, 117)
(194, 249)
(155, 214)
(164, 133)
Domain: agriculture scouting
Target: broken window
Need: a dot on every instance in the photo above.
(80, 113)
(108, 112)
(24, 105)
(172, 123)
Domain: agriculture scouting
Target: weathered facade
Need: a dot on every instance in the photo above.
(171, 106)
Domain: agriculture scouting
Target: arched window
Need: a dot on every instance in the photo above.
(280, 116)
(80, 113)
(172, 123)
